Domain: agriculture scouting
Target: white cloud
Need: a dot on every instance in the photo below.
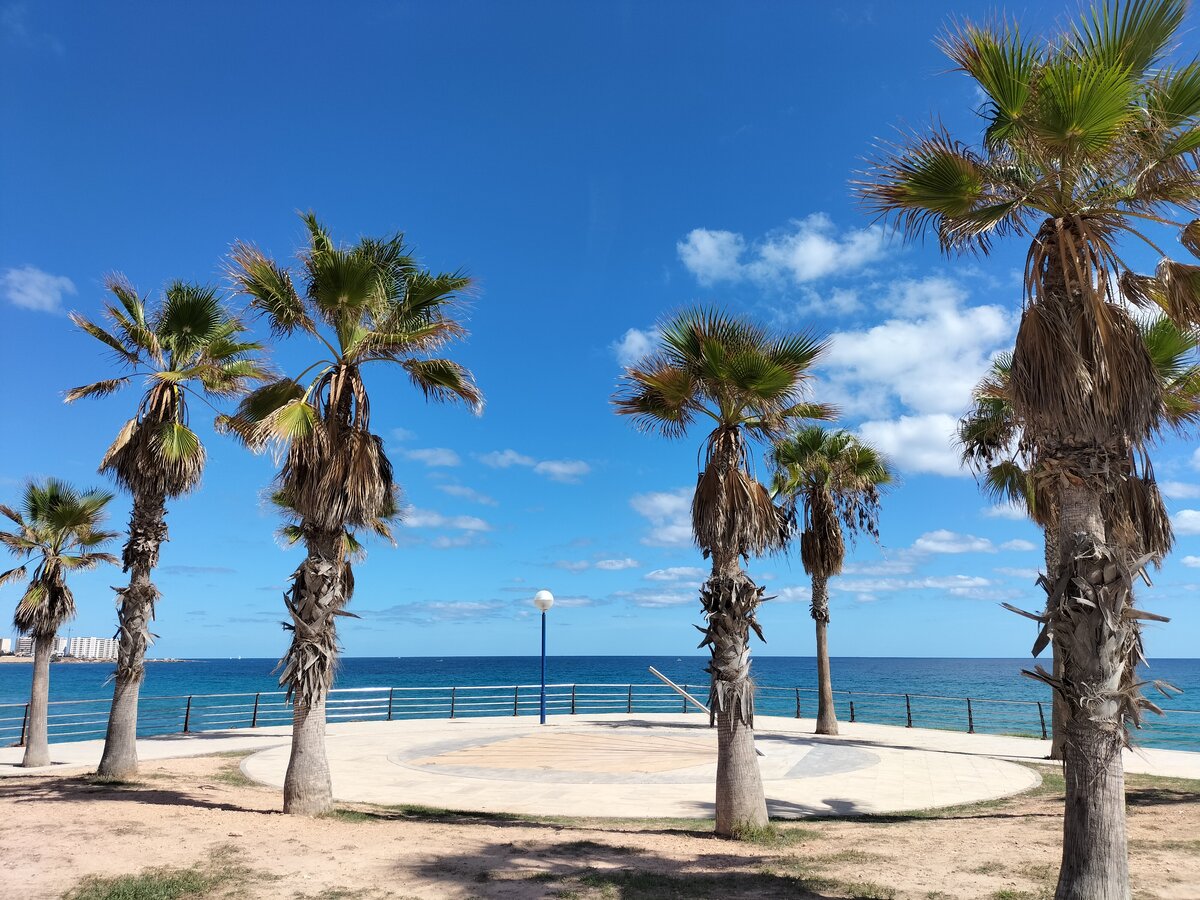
(712, 256)
(437, 611)
(1018, 544)
(427, 518)
(466, 493)
(1196, 458)
(1028, 574)
(943, 541)
(1192, 562)
(670, 515)
(572, 565)
(895, 361)
(1186, 521)
(900, 563)
(806, 250)
(958, 585)
(1006, 511)
(568, 471)
(434, 456)
(677, 573)
(617, 565)
(503, 459)
(402, 434)
(634, 345)
(917, 444)
(31, 288)
(1179, 490)
(654, 598)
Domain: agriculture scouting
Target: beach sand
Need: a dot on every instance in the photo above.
(201, 814)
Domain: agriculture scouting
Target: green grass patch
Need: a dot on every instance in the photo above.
(988, 868)
(1010, 894)
(585, 846)
(222, 870)
(773, 835)
(233, 776)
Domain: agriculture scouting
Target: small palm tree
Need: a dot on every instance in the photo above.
(1090, 139)
(745, 383)
(835, 480)
(366, 303)
(58, 532)
(188, 346)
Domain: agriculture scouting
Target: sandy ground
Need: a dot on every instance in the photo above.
(200, 813)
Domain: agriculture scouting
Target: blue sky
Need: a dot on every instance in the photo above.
(594, 167)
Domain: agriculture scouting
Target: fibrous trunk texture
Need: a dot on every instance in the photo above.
(826, 713)
(1058, 712)
(147, 532)
(1094, 639)
(730, 599)
(314, 600)
(37, 741)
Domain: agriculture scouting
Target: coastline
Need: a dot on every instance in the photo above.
(70, 659)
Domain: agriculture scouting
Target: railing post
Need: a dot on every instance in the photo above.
(1042, 716)
(572, 699)
(391, 697)
(453, 697)
(908, 710)
(970, 718)
(187, 715)
(629, 702)
(684, 709)
(516, 697)
(797, 703)
(25, 724)
(254, 717)
(851, 710)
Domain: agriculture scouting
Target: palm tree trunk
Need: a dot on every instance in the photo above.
(147, 531)
(316, 595)
(730, 598)
(826, 713)
(1058, 709)
(1093, 646)
(37, 741)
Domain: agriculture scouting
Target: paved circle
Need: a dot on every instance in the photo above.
(651, 766)
(571, 756)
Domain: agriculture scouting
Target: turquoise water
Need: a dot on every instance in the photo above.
(979, 679)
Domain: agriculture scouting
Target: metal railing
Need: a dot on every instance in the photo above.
(73, 720)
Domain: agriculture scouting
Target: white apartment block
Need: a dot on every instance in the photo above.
(92, 648)
(25, 646)
(6, 646)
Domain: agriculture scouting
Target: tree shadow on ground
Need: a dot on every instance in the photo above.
(1159, 796)
(587, 868)
(88, 788)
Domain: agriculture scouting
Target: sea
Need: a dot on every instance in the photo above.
(876, 685)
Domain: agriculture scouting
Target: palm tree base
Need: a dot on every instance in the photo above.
(307, 788)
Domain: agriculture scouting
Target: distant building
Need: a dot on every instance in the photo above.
(25, 646)
(6, 646)
(60, 647)
(93, 648)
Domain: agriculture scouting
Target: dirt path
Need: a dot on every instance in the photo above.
(222, 837)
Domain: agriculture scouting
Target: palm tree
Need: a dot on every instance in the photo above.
(835, 479)
(366, 303)
(991, 439)
(1090, 141)
(59, 532)
(188, 345)
(748, 383)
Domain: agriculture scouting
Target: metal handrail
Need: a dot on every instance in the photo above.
(250, 709)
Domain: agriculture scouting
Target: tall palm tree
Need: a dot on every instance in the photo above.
(360, 304)
(747, 384)
(58, 532)
(1090, 142)
(991, 439)
(188, 345)
(835, 479)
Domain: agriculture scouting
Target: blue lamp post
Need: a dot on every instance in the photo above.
(543, 600)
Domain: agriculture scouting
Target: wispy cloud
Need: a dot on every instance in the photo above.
(434, 457)
(943, 541)
(634, 345)
(669, 514)
(16, 28)
(677, 573)
(466, 493)
(190, 571)
(31, 288)
(567, 471)
(604, 565)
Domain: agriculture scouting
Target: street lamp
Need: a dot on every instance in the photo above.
(543, 600)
